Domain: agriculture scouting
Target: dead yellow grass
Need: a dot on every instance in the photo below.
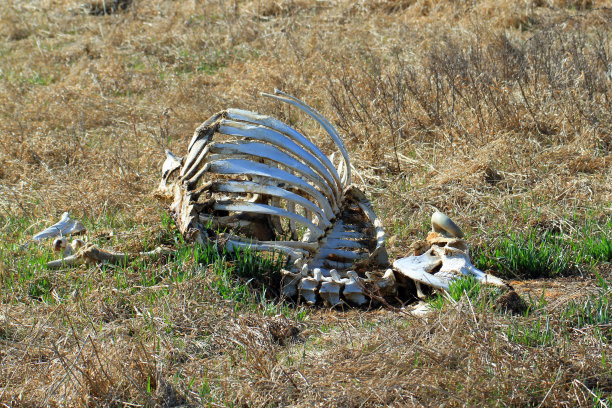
(497, 112)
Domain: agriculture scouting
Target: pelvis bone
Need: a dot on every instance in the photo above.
(442, 258)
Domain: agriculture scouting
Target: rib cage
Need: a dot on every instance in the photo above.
(263, 184)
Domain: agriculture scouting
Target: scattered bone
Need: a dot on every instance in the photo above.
(443, 225)
(91, 254)
(61, 245)
(65, 226)
(387, 284)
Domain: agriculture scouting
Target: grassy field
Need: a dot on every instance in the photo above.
(498, 113)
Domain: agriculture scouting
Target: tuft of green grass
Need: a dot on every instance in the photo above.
(536, 254)
(537, 333)
(479, 295)
(594, 312)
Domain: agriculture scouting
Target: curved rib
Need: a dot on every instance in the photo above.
(257, 246)
(299, 245)
(322, 121)
(266, 151)
(247, 167)
(197, 134)
(266, 209)
(232, 186)
(277, 125)
(241, 129)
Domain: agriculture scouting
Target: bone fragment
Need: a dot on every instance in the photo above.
(65, 226)
(387, 285)
(353, 290)
(91, 254)
(442, 224)
(62, 246)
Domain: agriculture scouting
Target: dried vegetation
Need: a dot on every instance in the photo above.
(498, 113)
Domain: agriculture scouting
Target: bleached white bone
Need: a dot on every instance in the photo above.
(268, 135)
(277, 125)
(221, 151)
(242, 206)
(293, 253)
(65, 226)
(246, 167)
(456, 263)
(330, 287)
(232, 186)
(417, 268)
(323, 122)
(353, 291)
(171, 164)
(442, 224)
(308, 287)
(266, 151)
(300, 245)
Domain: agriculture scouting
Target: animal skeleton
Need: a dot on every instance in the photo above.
(268, 187)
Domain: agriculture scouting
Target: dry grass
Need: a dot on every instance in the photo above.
(498, 113)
